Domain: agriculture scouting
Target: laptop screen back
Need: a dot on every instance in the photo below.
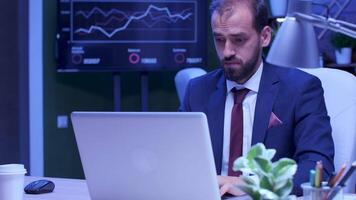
(146, 155)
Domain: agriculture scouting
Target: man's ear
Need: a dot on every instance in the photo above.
(266, 36)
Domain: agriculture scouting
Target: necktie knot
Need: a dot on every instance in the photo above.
(239, 95)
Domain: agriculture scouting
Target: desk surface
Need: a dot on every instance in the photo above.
(75, 189)
(66, 189)
(72, 189)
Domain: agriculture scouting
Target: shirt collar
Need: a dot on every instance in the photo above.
(252, 84)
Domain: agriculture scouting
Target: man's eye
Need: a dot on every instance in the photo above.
(219, 40)
(239, 40)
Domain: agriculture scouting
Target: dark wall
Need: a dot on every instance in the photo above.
(9, 78)
(13, 83)
(64, 93)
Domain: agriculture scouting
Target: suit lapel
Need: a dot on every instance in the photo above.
(268, 90)
(215, 113)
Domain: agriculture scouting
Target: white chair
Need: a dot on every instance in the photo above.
(340, 98)
(182, 79)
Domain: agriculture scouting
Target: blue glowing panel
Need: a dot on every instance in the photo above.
(139, 35)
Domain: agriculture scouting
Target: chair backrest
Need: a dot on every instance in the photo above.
(183, 77)
(340, 98)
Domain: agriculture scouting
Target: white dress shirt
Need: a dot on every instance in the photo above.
(248, 108)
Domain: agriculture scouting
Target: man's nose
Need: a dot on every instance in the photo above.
(228, 50)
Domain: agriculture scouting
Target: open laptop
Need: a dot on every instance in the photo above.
(146, 155)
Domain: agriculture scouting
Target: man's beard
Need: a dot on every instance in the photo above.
(245, 71)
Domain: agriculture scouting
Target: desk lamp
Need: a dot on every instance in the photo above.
(295, 44)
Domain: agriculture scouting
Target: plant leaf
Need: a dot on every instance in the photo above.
(283, 162)
(252, 191)
(270, 180)
(340, 40)
(241, 164)
(279, 184)
(266, 183)
(251, 180)
(291, 197)
(263, 165)
(269, 154)
(266, 194)
(285, 190)
(286, 173)
(284, 168)
(256, 150)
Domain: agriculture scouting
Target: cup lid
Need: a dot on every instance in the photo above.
(12, 168)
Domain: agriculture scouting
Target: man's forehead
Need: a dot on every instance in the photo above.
(237, 16)
(226, 7)
(229, 8)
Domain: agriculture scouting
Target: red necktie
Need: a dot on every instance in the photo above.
(236, 132)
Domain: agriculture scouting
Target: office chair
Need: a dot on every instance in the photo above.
(340, 98)
(182, 79)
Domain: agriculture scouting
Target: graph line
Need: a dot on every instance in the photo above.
(155, 19)
(105, 14)
(130, 19)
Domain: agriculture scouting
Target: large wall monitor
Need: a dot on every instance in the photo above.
(131, 35)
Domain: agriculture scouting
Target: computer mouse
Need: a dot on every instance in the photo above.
(39, 187)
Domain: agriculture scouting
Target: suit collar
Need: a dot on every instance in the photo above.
(266, 96)
(215, 112)
(220, 85)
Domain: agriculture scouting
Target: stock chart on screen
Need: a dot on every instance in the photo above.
(136, 35)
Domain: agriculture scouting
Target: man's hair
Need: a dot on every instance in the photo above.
(258, 9)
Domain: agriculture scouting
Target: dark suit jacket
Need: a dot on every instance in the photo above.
(295, 97)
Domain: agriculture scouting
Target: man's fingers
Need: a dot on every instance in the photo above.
(228, 184)
(222, 180)
(231, 189)
(224, 189)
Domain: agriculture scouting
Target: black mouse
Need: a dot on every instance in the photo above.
(39, 187)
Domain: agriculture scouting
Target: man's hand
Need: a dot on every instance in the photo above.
(227, 184)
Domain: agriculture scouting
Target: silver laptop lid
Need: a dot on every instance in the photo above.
(146, 155)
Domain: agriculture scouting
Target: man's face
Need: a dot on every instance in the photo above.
(238, 44)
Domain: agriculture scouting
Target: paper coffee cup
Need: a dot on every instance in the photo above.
(12, 181)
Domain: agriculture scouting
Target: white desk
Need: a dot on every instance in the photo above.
(71, 189)
(66, 189)
(75, 189)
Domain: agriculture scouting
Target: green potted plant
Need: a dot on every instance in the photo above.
(343, 45)
(263, 178)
